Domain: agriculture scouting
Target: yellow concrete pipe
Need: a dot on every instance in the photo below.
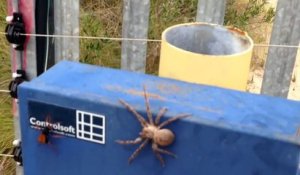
(206, 54)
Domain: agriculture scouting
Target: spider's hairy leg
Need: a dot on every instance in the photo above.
(149, 114)
(162, 151)
(161, 113)
(48, 119)
(137, 151)
(173, 119)
(130, 142)
(136, 114)
(159, 157)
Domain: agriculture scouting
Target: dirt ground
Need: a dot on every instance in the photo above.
(256, 75)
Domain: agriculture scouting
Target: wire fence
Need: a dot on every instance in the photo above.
(6, 155)
(4, 91)
(133, 39)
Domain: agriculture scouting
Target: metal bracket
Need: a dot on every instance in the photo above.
(14, 30)
(19, 77)
(17, 152)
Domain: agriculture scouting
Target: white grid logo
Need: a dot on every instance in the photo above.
(90, 127)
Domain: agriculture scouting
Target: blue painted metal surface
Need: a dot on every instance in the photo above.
(230, 133)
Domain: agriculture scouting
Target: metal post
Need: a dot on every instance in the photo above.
(211, 11)
(21, 59)
(280, 62)
(135, 25)
(66, 22)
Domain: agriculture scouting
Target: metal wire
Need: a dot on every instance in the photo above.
(275, 45)
(5, 91)
(89, 37)
(134, 39)
(6, 155)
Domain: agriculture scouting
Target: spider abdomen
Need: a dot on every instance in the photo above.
(163, 137)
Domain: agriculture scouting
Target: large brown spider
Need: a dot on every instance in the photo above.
(152, 131)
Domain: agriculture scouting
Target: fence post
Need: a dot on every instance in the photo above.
(66, 22)
(135, 25)
(280, 61)
(21, 59)
(211, 11)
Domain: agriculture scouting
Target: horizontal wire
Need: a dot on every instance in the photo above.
(90, 37)
(134, 39)
(5, 91)
(6, 155)
(275, 45)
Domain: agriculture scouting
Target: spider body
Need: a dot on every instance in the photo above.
(162, 137)
(152, 131)
(46, 132)
(44, 136)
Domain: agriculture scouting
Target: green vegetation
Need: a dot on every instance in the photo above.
(104, 18)
(245, 15)
(6, 122)
(101, 19)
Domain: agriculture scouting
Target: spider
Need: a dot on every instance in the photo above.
(44, 136)
(152, 131)
(46, 133)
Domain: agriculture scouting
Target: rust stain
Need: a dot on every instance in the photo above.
(209, 110)
(243, 36)
(141, 93)
(173, 89)
(168, 88)
(134, 92)
(236, 30)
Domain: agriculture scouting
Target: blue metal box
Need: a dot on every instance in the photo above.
(230, 132)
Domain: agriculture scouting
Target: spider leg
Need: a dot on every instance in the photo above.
(48, 120)
(157, 154)
(162, 151)
(160, 114)
(136, 114)
(159, 157)
(173, 119)
(149, 114)
(137, 151)
(130, 142)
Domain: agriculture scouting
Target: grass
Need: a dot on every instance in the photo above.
(6, 121)
(104, 18)
(100, 19)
